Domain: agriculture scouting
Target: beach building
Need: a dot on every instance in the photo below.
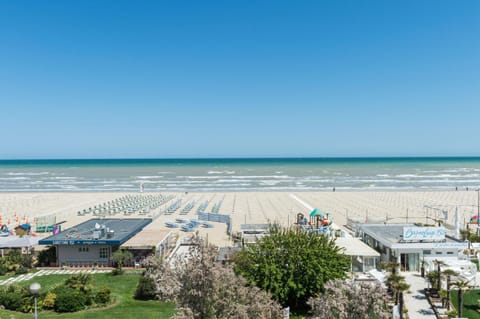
(250, 233)
(148, 242)
(23, 243)
(363, 258)
(408, 244)
(94, 241)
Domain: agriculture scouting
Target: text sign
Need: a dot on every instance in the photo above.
(423, 233)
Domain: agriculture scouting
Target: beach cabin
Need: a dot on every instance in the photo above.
(150, 242)
(250, 233)
(408, 244)
(93, 242)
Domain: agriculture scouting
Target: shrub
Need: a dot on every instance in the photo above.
(69, 299)
(103, 295)
(49, 300)
(47, 257)
(146, 288)
(3, 269)
(13, 297)
(82, 283)
(27, 261)
(21, 270)
(117, 272)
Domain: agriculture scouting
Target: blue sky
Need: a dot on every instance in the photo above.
(88, 79)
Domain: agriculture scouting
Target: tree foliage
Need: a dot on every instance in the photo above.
(292, 265)
(120, 257)
(204, 289)
(350, 300)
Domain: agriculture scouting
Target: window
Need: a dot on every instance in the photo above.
(438, 252)
(83, 249)
(104, 253)
(449, 252)
(427, 252)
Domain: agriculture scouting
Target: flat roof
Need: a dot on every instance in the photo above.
(355, 247)
(147, 238)
(84, 234)
(18, 241)
(393, 233)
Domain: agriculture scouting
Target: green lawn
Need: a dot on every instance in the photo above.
(470, 303)
(123, 288)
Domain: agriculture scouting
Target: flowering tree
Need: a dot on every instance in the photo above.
(350, 300)
(203, 288)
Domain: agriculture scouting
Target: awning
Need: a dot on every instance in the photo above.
(356, 247)
(18, 242)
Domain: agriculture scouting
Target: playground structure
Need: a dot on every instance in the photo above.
(317, 222)
(4, 231)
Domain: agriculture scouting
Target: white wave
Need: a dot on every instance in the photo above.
(27, 173)
(150, 177)
(270, 183)
(263, 176)
(221, 172)
(13, 178)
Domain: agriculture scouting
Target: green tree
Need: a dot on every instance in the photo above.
(462, 285)
(120, 257)
(293, 265)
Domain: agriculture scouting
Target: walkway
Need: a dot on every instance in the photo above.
(415, 301)
(29, 276)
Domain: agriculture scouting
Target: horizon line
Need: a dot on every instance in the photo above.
(247, 158)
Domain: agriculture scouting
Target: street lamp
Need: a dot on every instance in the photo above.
(34, 290)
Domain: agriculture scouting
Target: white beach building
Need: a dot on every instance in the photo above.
(408, 244)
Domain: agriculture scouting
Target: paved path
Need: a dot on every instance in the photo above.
(29, 276)
(415, 301)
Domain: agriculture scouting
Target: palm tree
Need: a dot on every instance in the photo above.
(401, 288)
(398, 286)
(439, 263)
(393, 281)
(462, 285)
(391, 266)
(448, 273)
(423, 263)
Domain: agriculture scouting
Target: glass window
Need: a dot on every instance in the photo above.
(104, 253)
(82, 249)
(438, 252)
(427, 252)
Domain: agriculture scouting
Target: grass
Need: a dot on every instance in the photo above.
(124, 307)
(470, 303)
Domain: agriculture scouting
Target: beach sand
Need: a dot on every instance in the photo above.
(257, 207)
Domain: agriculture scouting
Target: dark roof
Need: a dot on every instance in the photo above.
(110, 232)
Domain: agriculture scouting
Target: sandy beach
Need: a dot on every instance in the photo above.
(255, 207)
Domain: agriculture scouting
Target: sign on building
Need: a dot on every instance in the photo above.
(423, 233)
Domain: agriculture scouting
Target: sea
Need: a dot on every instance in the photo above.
(240, 174)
